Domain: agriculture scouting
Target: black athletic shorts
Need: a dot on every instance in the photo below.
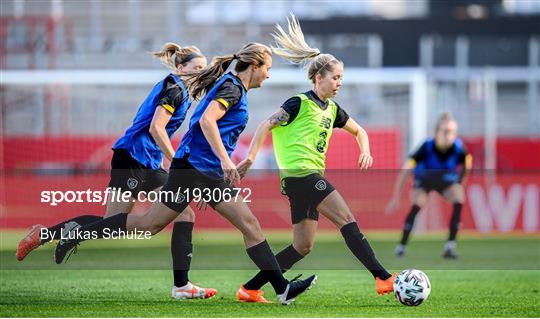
(305, 194)
(127, 174)
(432, 185)
(183, 180)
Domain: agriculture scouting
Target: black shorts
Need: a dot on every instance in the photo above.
(432, 185)
(177, 193)
(305, 194)
(127, 174)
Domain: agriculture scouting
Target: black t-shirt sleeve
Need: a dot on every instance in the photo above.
(171, 95)
(228, 94)
(420, 153)
(341, 117)
(292, 106)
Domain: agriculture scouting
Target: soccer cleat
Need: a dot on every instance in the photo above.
(246, 295)
(450, 254)
(63, 248)
(191, 291)
(30, 242)
(384, 287)
(68, 228)
(295, 288)
(400, 250)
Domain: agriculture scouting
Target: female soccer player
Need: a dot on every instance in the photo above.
(137, 160)
(203, 161)
(301, 130)
(440, 165)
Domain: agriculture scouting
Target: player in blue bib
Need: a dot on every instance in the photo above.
(440, 164)
(137, 163)
(203, 162)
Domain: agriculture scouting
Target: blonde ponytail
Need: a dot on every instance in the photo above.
(292, 46)
(172, 54)
(251, 54)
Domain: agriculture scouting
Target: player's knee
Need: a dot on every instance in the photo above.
(252, 228)
(253, 223)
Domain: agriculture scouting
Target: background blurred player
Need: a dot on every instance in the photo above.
(136, 164)
(440, 165)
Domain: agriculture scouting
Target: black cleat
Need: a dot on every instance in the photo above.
(295, 288)
(63, 248)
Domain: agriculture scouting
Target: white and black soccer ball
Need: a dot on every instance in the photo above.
(412, 287)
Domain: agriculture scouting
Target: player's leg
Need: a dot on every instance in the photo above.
(171, 203)
(336, 210)
(455, 194)
(126, 175)
(238, 213)
(181, 251)
(303, 240)
(419, 197)
(154, 221)
(40, 234)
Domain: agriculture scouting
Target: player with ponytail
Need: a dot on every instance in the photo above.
(136, 164)
(301, 130)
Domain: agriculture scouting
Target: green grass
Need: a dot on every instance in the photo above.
(495, 277)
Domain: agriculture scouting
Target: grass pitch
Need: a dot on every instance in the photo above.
(495, 277)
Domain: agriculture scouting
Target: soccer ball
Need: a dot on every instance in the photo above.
(412, 287)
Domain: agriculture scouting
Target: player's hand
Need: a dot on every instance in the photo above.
(230, 174)
(391, 207)
(244, 166)
(365, 161)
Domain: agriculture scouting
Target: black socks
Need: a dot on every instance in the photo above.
(285, 258)
(409, 224)
(55, 231)
(262, 256)
(359, 246)
(181, 250)
(100, 228)
(454, 221)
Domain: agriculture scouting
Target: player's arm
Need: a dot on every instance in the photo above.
(167, 103)
(157, 129)
(283, 116)
(227, 96)
(467, 165)
(279, 117)
(403, 174)
(365, 160)
(208, 122)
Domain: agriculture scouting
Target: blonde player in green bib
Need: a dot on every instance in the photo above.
(301, 130)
